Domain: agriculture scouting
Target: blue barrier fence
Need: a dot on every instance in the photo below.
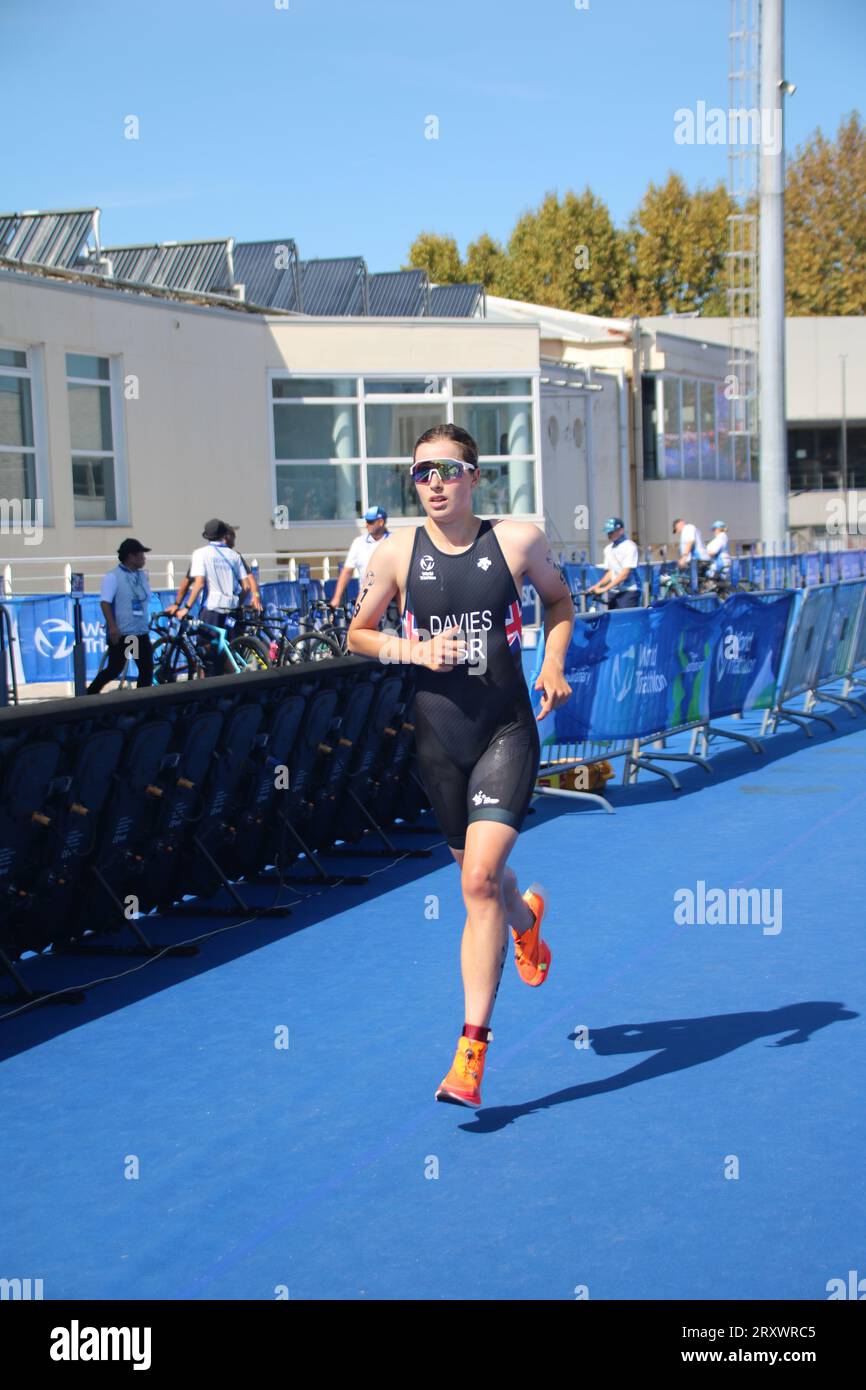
(644, 671)
(44, 626)
(762, 571)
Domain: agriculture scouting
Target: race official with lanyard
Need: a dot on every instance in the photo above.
(125, 600)
(621, 559)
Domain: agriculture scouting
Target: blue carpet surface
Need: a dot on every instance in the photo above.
(325, 1169)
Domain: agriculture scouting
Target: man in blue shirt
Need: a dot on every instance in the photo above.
(125, 601)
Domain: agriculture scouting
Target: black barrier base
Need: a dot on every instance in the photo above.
(752, 743)
(25, 995)
(846, 701)
(801, 719)
(651, 767)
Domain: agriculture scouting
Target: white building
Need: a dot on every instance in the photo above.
(146, 389)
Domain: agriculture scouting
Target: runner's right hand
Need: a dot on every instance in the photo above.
(445, 651)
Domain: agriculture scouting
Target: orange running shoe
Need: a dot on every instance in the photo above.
(462, 1085)
(532, 955)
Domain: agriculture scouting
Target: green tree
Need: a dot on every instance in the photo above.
(485, 262)
(678, 244)
(439, 256)
(825, 223)
(568, 255)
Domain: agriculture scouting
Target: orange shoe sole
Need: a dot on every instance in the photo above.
(456, 1098)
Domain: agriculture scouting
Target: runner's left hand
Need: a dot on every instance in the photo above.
(551, 680)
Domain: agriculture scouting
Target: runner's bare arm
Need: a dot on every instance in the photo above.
(546, 576)
(378, 587)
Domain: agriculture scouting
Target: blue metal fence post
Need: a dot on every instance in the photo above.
(79, 660)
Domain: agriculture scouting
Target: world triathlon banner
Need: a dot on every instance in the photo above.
(641, 671)
(45, 633)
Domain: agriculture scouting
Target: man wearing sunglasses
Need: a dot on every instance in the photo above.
(360, 551)
(459, 582)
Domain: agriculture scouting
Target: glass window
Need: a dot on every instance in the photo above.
(90, 417)
(497, 429)
(93, 489)
(856, 440)
(505, 489)
(393, 429)
(672, 436)
(492, 386)
(93, 368)
(11, 357)
(709, 457)
(290, 388)
(320, 491)
(689, 429)
(17, 475)
(92, 434)
(315, 431)
(312, 433)
(17, 447)
(16, 412)
(418, 386)
(723, 436)
(390, 485)
(650, 427)
(741, 457)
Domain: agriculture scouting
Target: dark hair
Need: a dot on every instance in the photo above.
(459, 436)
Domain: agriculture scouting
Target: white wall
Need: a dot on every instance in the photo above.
(197, 438)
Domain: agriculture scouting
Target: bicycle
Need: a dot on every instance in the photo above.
(284, 648)
(187, 651)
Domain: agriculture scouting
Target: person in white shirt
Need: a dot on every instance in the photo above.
(360, 551)
(691, 543)
(717, 549)
(621, 559)
(219, 570)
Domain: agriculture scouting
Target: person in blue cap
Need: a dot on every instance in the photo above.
(362, 547)
(718, 551)
(621, 559)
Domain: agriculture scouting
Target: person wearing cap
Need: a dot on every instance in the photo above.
(254, 590)
(217, 569)
(360, 550)
(621, 559)
(125, 601)
(717, 549)
(691, 543)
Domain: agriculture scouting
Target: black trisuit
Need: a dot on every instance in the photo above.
(476, 735)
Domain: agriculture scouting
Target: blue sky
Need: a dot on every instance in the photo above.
(308, 121)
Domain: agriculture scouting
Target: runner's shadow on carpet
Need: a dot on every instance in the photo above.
(676, 1044)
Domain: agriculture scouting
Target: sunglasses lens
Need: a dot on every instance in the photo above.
(449, 470)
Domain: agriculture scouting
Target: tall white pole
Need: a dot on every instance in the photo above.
(773, 452)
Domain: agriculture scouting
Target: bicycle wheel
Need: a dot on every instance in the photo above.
(251, 652)
(174, 660)
(312, 646)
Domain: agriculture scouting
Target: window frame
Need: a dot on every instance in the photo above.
(34, 372)
(360, 399)
(114, 386)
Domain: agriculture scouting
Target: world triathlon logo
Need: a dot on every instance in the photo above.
(622, 675)
(55, 637)
(426, 564)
